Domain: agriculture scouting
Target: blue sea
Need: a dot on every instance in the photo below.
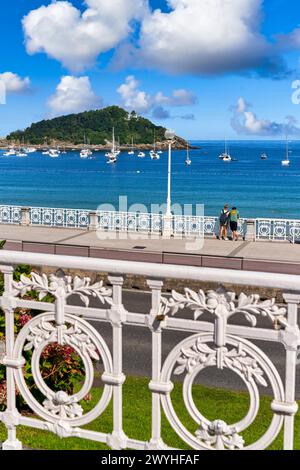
(258, 188)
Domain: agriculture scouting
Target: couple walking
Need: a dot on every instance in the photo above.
(229, 218)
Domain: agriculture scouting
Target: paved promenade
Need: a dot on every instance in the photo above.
(261, 256)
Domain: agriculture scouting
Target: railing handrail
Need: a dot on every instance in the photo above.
(287, 282)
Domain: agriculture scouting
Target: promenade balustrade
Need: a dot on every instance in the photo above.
(223, 332)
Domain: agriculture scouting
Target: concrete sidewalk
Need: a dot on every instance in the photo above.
(263, 256)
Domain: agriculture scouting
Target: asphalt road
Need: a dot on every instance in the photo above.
(137, 348)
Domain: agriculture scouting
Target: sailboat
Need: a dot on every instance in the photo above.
(286, 162)
(113, 154)
(85, 152)
(188, 161)
(225, 156)
(131, 152)
(153, 154)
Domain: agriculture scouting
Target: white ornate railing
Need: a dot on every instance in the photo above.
(277, 229)
(147, 223)
(212, 345)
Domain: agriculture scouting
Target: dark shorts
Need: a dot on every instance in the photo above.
(233, 226)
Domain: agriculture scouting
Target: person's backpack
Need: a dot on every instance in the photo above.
(223, 218)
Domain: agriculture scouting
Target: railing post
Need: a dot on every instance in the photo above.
(25, 216)
(117, 316)
(167, 226)
(11, 415)
(156, 442)
(291, 341)
(93, 224)
(250, 235)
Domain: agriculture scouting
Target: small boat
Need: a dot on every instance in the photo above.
(21, 153)
(84, 154)
(226, 157)
(113, 154)
(264, 156)
(131, 152)
(112, 159)
(11, 152)
(141, 155)
(188, 161)
(53, 153)
(286, 162)
(153, 153)
(30, 150)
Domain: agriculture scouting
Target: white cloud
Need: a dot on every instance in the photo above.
(246, 122)
(180, 97)
(14, 83)
(76, 39)
(73, 95)
(205, 37)
(135, 99)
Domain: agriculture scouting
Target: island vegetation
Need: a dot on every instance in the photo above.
(92, 127)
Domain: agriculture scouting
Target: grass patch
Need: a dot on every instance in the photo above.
(213, 403)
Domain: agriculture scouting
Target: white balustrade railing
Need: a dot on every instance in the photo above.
(147, 223)
(278, 229)
(209, 345)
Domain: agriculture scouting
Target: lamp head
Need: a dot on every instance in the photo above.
(169, 134)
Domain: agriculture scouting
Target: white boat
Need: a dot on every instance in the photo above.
(53, 153)
(286, 162)
(141, 155)
(11, 152)
(112, 159)
(46, 152)
(131, 152)
(113, 154)
(188, 161)
(226, 157)
(21, 153)
(84, 154)
(30, 150)
(264, 156)
(153, 153)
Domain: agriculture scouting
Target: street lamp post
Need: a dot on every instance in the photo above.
(168, 217)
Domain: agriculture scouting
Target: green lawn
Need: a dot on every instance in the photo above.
(213, 403)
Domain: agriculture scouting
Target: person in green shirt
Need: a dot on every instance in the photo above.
(233, 222)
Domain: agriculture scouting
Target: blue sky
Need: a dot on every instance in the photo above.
(212, 86)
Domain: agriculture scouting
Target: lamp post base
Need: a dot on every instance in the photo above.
(168, 230)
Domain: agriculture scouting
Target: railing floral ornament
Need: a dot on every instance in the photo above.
(222, 303)
(222, 351)
(62, 286)
(220, 344)
(62, 413)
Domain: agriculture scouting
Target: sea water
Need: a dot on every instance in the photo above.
(258, 188)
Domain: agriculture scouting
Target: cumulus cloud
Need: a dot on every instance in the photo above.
(135, 99)
(246, 122)
(207, 37)
(14, 83)
(77, 38)
(73, 95)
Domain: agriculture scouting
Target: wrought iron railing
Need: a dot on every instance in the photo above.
(224, 340)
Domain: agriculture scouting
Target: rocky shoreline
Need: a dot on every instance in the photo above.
(178, 144)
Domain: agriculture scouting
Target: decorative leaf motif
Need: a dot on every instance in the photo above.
(62, 287)
(237, 359)
(221, 303)
(63, 406)
(218, 435)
